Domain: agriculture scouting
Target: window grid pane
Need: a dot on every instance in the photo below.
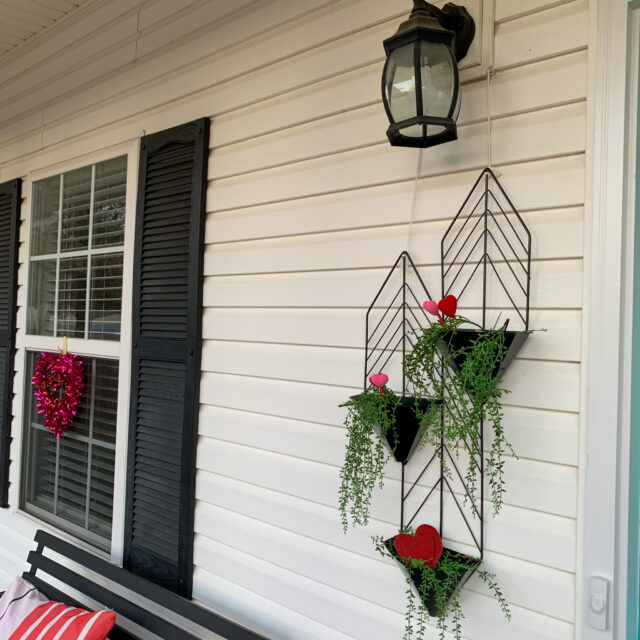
(105, 302)
(72, 297)
(69, 481)
(75, 282)
(42, 296)
(44, 221)
(76, 203)
(109, 203)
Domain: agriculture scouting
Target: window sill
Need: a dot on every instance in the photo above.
(31, 521)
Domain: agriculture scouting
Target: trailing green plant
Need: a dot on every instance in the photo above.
(440, 586)
(370, 417)
(464, 377)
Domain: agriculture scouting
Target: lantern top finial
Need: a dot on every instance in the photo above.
(420, 5)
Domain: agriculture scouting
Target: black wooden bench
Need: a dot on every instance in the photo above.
(125, 606)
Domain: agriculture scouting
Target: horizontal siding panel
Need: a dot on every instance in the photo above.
(536, 86)
(532, 383)
(345, 328)
(558, 284)
(346, 613)
(358, 127)
(284, 40)
(553, 183)
(181, 83)
(19, 129)
(521, 89)
(321, 137)
(324, 603)
(540, 85)
(529, 535)
(538, 588)
(29, 143)
(119, 56)
(556, 233)
(524, 137)
(307, 402)
(537, 35)
(530, 484)
(185, 22)
(161, 11)
(262, 83)
(70, 69)
(535, 135)
(511, 9)
(343, 92)
(321, 26)
(550, 436)
(77, 33)
(257, 611)
(11, 562)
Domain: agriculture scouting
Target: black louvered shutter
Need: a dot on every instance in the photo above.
(167, 320)
(10, 197)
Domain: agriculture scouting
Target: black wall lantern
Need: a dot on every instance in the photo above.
(420, 83)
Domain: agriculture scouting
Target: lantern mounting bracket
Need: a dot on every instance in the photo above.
(451, 17)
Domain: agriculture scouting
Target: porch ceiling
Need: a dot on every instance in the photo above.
(23, 20)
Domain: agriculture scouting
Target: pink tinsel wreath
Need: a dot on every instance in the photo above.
(58, 381)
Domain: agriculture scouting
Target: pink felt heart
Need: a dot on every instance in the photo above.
(425, 545)
(431, 306)
(379, 380)
(448, 306)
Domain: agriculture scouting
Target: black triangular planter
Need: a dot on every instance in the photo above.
(407, 428)
(464, 338)
(430, 600)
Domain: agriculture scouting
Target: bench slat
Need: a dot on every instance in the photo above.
(167, 599)
(146, 619)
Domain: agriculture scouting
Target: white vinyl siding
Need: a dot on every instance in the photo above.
(308, 206)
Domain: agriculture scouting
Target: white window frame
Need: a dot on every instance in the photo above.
(120, 350)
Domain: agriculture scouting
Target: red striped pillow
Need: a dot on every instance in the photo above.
(25, 614)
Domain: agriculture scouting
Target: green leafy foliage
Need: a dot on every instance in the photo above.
(439, 586)
(370, 417)
(463, 376)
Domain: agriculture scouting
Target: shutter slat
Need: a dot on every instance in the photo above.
(10, 199)
(166, 356)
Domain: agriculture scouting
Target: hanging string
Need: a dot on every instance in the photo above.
(414, 201)
(490, 74)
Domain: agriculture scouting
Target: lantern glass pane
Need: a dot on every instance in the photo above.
(400, 84)
(438, 79)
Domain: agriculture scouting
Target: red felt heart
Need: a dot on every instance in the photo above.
(425, 545)
(448, 306)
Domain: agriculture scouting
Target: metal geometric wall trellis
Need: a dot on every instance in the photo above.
(486, 264)
(393, 319)
(489, 242)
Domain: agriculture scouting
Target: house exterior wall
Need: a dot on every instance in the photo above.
(308, 206)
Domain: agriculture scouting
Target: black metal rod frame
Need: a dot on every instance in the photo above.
(503, 240)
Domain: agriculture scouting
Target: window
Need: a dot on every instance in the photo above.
(77, 240)
(69, 481)
(75, 290)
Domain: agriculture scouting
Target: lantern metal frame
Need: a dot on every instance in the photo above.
(453, 26)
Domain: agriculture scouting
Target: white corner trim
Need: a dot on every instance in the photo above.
(124, 378)
(602, 316)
